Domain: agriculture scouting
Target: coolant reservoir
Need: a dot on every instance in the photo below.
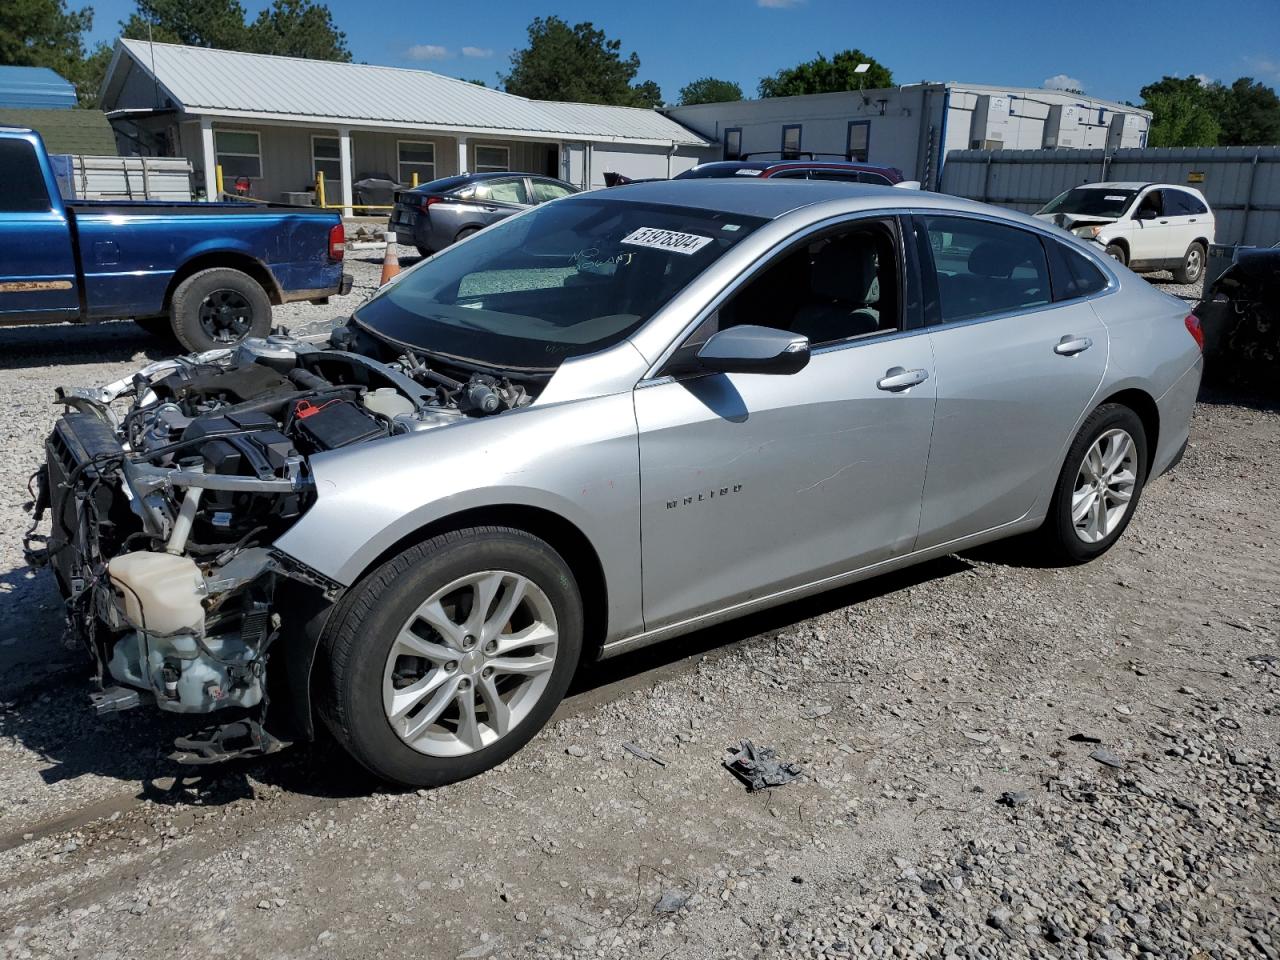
(388, 402)
(161, 592)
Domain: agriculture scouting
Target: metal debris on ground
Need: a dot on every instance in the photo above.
(642, 753)
(759, 767)
(1107, 758)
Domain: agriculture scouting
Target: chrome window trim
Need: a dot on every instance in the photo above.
(755, 269)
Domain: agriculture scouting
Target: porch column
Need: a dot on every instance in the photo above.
(344, 160)
(462, 154)
(210, 159)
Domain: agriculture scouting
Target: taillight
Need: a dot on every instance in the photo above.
(428, 201)
(1193, 328)
(337, 242)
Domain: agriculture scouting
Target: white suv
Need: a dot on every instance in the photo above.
(1148, 226)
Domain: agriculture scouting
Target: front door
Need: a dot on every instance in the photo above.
(1151, 234)
(37, 264)
(1015, 372)
(752, 483)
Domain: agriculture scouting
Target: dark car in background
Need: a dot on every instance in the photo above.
(845, 170)
(441, 212)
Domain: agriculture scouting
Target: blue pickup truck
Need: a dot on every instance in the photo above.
(207, 272)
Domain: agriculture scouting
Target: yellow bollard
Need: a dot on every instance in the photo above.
(217, 179)
(415, 178)
(320, 189)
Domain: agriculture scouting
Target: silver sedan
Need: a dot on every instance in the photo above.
(626, 415)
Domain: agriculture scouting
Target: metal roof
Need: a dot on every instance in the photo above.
(35, 87)
(250, 85)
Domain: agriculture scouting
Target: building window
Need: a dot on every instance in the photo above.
(492, 159)
(416, 157)
(858, 141)
(239, 153)
(326, 159)
(733, 143)
(791, 142)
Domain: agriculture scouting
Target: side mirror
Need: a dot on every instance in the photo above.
(1146, 213)
(751, 349)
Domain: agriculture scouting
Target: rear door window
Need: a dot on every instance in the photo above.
(1179, 203)
(22, 186)
(544, 190)
(986, 268)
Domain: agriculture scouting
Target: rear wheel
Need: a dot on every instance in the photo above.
(448, 658)
(1099, 486)
(219, 307)
(1192, 264)
(465, 232)
(1116, 252)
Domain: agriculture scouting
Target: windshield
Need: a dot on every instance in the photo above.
(567, 278)
(1091, 202)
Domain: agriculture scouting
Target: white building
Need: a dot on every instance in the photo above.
(913, 127)
(277, 121)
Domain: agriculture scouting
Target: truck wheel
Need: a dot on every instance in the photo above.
(219, 307)
(1192, 264)
(449, 657)
(1116, 252)
(1099, 486)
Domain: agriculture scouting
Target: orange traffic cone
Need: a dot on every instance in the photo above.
(391, 262)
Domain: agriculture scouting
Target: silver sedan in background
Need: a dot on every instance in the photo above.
(610, 421)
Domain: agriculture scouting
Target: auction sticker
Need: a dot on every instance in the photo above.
(672, 240)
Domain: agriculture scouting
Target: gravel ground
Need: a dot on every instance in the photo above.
(1002, 760)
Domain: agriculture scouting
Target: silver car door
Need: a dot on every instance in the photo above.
(752, 484)
(1016, 373)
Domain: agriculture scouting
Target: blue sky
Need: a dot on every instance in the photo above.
(1111, 49)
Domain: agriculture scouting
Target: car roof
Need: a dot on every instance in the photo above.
(772, 199)
(795, 165)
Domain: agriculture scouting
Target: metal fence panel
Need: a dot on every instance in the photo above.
(123, 178)
(1242, 184)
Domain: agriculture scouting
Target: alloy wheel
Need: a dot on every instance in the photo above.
(226, 316)
(1104, 486)
(470, 664)
(1195, 263)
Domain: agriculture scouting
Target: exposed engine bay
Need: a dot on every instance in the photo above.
(165, 491)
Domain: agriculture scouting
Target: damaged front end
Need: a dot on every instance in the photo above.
(165, 491)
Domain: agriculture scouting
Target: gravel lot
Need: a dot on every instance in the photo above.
(1002, 760)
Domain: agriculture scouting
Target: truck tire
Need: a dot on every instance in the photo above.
(1192, 268)
(219, 307)
(449, 657)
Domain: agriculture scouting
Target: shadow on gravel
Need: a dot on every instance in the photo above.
(1223, 395)
(51, 716)
(57, 344)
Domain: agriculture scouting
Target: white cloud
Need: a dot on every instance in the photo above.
(477, 52)
(778, 4)
(1061, 81)
(427, 51)
(1264, 67)
(1204, 78)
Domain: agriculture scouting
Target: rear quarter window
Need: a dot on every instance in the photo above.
(1073, 274)
(22, 186)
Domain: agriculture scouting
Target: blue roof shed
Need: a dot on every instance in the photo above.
(35, 87)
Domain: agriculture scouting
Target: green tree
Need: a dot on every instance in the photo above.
(298, 28)
(196, 23)
(1249, 113)
(44, 33)
(1183, 113)
(576, 63)
(709, 90)
(821, 75)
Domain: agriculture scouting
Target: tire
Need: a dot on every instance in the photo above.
(159, 327)
(219, 307)
(465, 232)
(1116, 252)
(1060, 534)
(423, 251)
(1192, 268)
(372, 672)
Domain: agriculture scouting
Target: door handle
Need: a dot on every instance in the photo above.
(1069, 346)
(896, 379)
(1192, 220)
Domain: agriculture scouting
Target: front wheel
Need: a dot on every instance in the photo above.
(219, 307)
(1192, 264)
(1116, 252)
(449, 657)
(1099, 486)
